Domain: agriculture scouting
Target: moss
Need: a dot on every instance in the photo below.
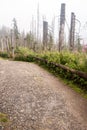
(3, 118)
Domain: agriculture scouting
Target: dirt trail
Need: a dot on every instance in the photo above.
(36, 100)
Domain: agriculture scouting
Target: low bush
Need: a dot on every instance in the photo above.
(4, 54)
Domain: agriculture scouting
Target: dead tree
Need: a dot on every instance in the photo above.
(2, 46)
(45, 34)
(7, 43)
(72, 32)
(62, 25)
(12, 41)
(38, 20)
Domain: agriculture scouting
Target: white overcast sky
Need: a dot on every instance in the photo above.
(23, 10)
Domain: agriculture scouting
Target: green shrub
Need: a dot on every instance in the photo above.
(4, 54)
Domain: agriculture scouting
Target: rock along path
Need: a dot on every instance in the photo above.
(36, 100)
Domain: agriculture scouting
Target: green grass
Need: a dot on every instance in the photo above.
(3, 118)
(70, 84)
(77, 61)
(75, 87)
(1, 58)
(4, 121)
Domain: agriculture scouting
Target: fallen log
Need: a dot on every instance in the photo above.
(79, 73)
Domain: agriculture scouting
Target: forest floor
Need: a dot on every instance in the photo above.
(34, 99)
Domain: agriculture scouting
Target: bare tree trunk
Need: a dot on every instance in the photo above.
(2, 49)
(62, 25)
(45, 34)
(7, 46)
(72, 32)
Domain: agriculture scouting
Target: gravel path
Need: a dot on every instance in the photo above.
(36, 100)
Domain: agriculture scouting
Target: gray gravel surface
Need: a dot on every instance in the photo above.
(36, 100)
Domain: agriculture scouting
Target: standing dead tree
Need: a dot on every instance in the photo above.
(45, 34)
(62, 25)
(38, 20)
(1, 44)
(72, 32)
(16, 32)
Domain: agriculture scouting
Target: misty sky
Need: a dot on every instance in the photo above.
(23, 10)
